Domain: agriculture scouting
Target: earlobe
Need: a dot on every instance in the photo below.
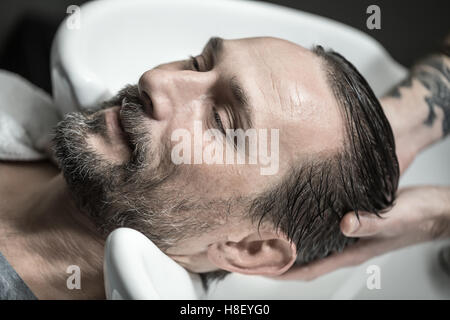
(264, 253)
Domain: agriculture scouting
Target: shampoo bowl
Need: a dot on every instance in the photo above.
(118, 40)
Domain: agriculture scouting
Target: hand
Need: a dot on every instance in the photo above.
(420, 214)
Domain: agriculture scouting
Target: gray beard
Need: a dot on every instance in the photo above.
(132, 194)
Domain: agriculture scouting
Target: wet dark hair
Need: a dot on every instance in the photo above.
(311, 199)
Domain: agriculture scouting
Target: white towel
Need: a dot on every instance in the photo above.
(27, 117)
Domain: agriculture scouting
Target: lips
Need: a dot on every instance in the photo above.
(112, 118)
(119, 120)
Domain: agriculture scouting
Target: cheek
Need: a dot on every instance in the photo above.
(201, 157)
(223, 181)
(208, 181)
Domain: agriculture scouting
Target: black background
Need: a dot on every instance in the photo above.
(409, 29)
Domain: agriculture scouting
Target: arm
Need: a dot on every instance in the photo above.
(418, 108)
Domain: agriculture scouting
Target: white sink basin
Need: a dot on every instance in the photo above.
(119, 40)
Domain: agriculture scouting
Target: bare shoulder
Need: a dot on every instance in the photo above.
(19, 177)
(16, 180)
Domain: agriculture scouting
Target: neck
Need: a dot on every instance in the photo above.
(47, 236)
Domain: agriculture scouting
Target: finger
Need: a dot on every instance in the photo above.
(354, 255)
(367, 225)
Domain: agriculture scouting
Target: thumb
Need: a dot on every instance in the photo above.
(368, 225)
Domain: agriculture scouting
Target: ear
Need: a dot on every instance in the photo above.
(265, 253)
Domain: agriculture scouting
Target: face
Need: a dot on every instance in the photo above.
(126, 154)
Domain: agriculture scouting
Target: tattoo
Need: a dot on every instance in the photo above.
(405, 83)
(434, 75)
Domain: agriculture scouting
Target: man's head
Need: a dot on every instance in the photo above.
(335, 153)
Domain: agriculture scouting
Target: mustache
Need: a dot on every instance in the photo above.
(137, 134)
(69, 143)
(130, 92)
(132, 120)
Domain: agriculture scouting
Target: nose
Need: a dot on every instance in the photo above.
(164, 91)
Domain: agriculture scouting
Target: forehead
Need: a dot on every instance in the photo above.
(288, 90)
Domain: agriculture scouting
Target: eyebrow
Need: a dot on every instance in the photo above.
(215, 47)
(242, 98)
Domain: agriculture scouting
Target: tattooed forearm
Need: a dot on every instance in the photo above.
(434, 74)
(405, 83)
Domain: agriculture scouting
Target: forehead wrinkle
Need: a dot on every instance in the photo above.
(276, 96)
(282, 97)
(272, 98)
(295, 101)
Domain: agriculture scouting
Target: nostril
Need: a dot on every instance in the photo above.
(147, 103)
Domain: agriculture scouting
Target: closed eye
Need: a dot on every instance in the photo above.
(201, 63)
(218, 120)
(194, 63)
